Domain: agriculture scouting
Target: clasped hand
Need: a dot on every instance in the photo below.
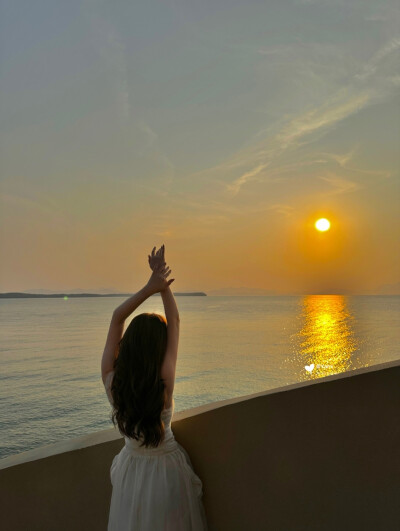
(158, 280)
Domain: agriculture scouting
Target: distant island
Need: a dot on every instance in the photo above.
(75, 295)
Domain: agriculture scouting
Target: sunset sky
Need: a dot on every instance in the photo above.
(222, 129)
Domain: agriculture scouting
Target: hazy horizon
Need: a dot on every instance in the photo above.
(392, 290)
(223, 130)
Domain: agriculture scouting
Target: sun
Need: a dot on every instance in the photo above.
(322, 224)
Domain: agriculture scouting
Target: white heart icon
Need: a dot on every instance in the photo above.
(309, 368)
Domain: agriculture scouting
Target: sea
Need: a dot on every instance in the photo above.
(50, 383)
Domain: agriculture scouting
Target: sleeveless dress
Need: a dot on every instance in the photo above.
(154, 489)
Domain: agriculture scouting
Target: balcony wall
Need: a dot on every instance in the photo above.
(320, 455)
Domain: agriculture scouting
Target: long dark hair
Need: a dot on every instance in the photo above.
(137, 389)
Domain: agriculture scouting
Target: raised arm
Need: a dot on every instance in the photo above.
(157, 282)
(116, 328)
(168, 368)
(170, 307)
(171, 310)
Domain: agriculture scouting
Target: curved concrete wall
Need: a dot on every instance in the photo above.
(321, 455)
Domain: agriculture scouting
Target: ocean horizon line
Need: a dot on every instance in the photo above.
(25, 295)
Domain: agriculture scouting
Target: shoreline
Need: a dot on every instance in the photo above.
(17, 295)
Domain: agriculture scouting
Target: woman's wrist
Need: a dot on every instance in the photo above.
(125, 309)
(149, 290)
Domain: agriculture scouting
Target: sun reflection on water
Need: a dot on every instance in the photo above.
(326, 339)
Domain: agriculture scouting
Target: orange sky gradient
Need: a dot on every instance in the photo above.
(222, 131)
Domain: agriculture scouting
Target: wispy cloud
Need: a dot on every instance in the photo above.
(291, 135)
(112, 49)
(323, 117)
(151, 136)
(168, 168)
(373, 82)
(280, 208)
(342, 159)
(115, 54)
(340, 185)
(41, 206)
(371, 66)
(235, 186)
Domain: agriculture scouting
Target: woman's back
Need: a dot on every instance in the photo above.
(166, 417)
(155, 488)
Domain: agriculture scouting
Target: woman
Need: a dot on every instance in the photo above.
(154, 487)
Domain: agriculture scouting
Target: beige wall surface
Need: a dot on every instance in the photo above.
(316, 456)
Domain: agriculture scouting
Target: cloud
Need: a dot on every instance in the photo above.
(151, 136)
(373, 82)
(151, 142)
(111, 47)
(340, 185)
(114, 54)
(372, 65)
(235, 186)
(295, 131)
(285, 210)
(343, 159)
(39, 206)
(323, 117)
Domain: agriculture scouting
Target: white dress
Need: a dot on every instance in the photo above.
(154, 489)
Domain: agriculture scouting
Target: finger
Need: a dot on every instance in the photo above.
(152, 252)
(170, 281)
